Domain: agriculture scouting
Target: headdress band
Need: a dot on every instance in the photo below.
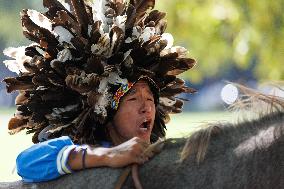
(124, 88)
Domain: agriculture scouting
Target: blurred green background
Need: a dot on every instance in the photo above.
(225, 34)
(232, 40)
(220, 34)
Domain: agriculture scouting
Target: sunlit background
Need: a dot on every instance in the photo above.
(232, 40)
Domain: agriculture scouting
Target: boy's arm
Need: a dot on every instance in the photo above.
(124, 154)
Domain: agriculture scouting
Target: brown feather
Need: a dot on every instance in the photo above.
(37, 33)
(18, 83)
(58, 67)
(94, 65)
(31, 51)
(182, 65)
(30, 68)
(93, 98)
(16, 123)
(142, 6)
(82, 83)
(130, 12)
(80, 43)
(150, 24)
(30, 36)
(81, 15)
(53, 3)
(95, 32)
(55, 80)
(155, 16)
(118, 6)
(41, 80)
(168, 91)
(161, 27)
(155, 45)
(64, 19)
(22, 98)
(116, 37)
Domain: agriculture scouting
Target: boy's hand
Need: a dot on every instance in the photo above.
(129, 152)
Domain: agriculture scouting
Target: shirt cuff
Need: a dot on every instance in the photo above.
(62, 159)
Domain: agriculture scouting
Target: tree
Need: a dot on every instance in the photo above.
(220, 34)
(223, 33)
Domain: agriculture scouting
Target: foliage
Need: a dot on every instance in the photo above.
(220, 34)
(11, 30)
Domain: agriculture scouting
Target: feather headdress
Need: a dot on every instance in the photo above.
(82, 52)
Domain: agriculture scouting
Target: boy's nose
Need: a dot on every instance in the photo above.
(145, 107)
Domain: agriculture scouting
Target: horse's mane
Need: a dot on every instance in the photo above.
(264, 107)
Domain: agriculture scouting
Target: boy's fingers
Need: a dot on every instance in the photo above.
(143, 143)
(149, 154)
(141, 159)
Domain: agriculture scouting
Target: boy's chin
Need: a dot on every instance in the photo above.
(146, 138)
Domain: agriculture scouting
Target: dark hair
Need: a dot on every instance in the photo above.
(159, 126)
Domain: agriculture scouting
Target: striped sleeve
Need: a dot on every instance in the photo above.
(62, 158)
(45, 161)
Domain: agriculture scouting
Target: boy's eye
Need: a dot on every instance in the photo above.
(131, 99)
(150, 99)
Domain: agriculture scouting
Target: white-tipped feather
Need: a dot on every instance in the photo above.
(169, 38)
(136, 33)
(182, 52)
(102, 47)
(40, 51)
(19, 55)
(89, 30)
(120, 22)
(103, 85)
(39, 19)
(99, 8)
(66, 5)
(147, 33)
(64, 55)
(63, 34)
(166, 101)
(106, 97)
(128, 61)
(114, 79)
(143, 35)
(14, 52)
(127, 53)
(128, 40)
(14, 66)
(103, 102)
(57, 111)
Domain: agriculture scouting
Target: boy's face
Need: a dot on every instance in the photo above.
(136, 113)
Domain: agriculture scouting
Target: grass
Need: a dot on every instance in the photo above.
(181, 125)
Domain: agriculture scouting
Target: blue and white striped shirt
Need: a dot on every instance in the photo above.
(46, 160)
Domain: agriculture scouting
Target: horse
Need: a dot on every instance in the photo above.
(248, 154)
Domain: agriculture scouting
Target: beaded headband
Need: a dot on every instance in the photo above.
(124, 88)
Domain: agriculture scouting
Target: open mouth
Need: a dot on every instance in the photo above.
(145, 125)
